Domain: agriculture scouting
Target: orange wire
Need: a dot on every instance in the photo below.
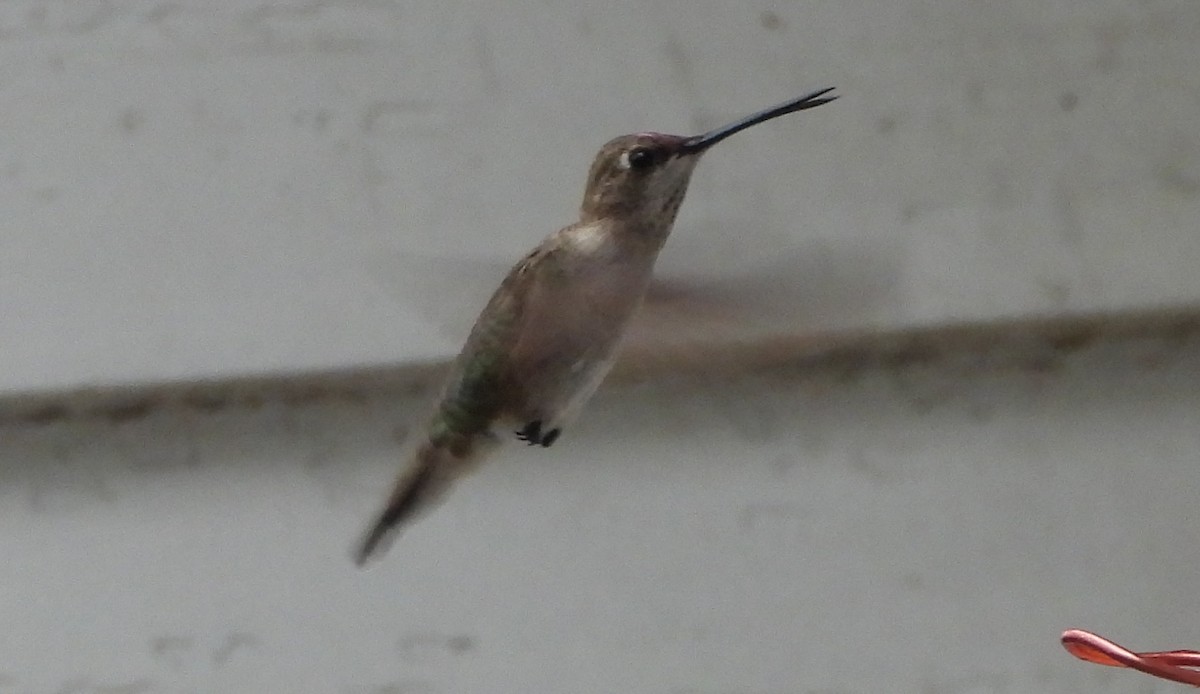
(1169, 665)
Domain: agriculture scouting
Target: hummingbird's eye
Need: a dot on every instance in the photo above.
(640, 158)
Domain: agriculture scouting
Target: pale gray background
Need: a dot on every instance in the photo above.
(214, 189)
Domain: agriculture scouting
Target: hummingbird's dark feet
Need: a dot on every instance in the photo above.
(532, 434)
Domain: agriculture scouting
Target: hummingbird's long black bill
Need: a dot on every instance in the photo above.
(699, 143)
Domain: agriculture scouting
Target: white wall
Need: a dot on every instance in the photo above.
(909, 529)
(211, 188)
(214, 187)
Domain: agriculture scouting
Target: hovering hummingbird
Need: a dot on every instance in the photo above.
(550, 332)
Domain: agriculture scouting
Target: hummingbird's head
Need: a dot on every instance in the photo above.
(645, 175)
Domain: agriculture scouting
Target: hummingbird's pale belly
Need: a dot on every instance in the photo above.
(569, 342)
(584, 378)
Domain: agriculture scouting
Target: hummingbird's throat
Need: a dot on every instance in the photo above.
(671, 204)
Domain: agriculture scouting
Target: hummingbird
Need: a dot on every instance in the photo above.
(550, 333)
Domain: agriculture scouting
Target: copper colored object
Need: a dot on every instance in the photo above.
(1175, 666)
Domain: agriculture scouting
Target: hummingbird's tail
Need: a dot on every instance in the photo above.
(424, 481)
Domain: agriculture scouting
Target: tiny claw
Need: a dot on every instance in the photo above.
(532, 433)
(1168, 665)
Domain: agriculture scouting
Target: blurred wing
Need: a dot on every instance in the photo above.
(817, 288)
(448, 293)
(704, 297)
